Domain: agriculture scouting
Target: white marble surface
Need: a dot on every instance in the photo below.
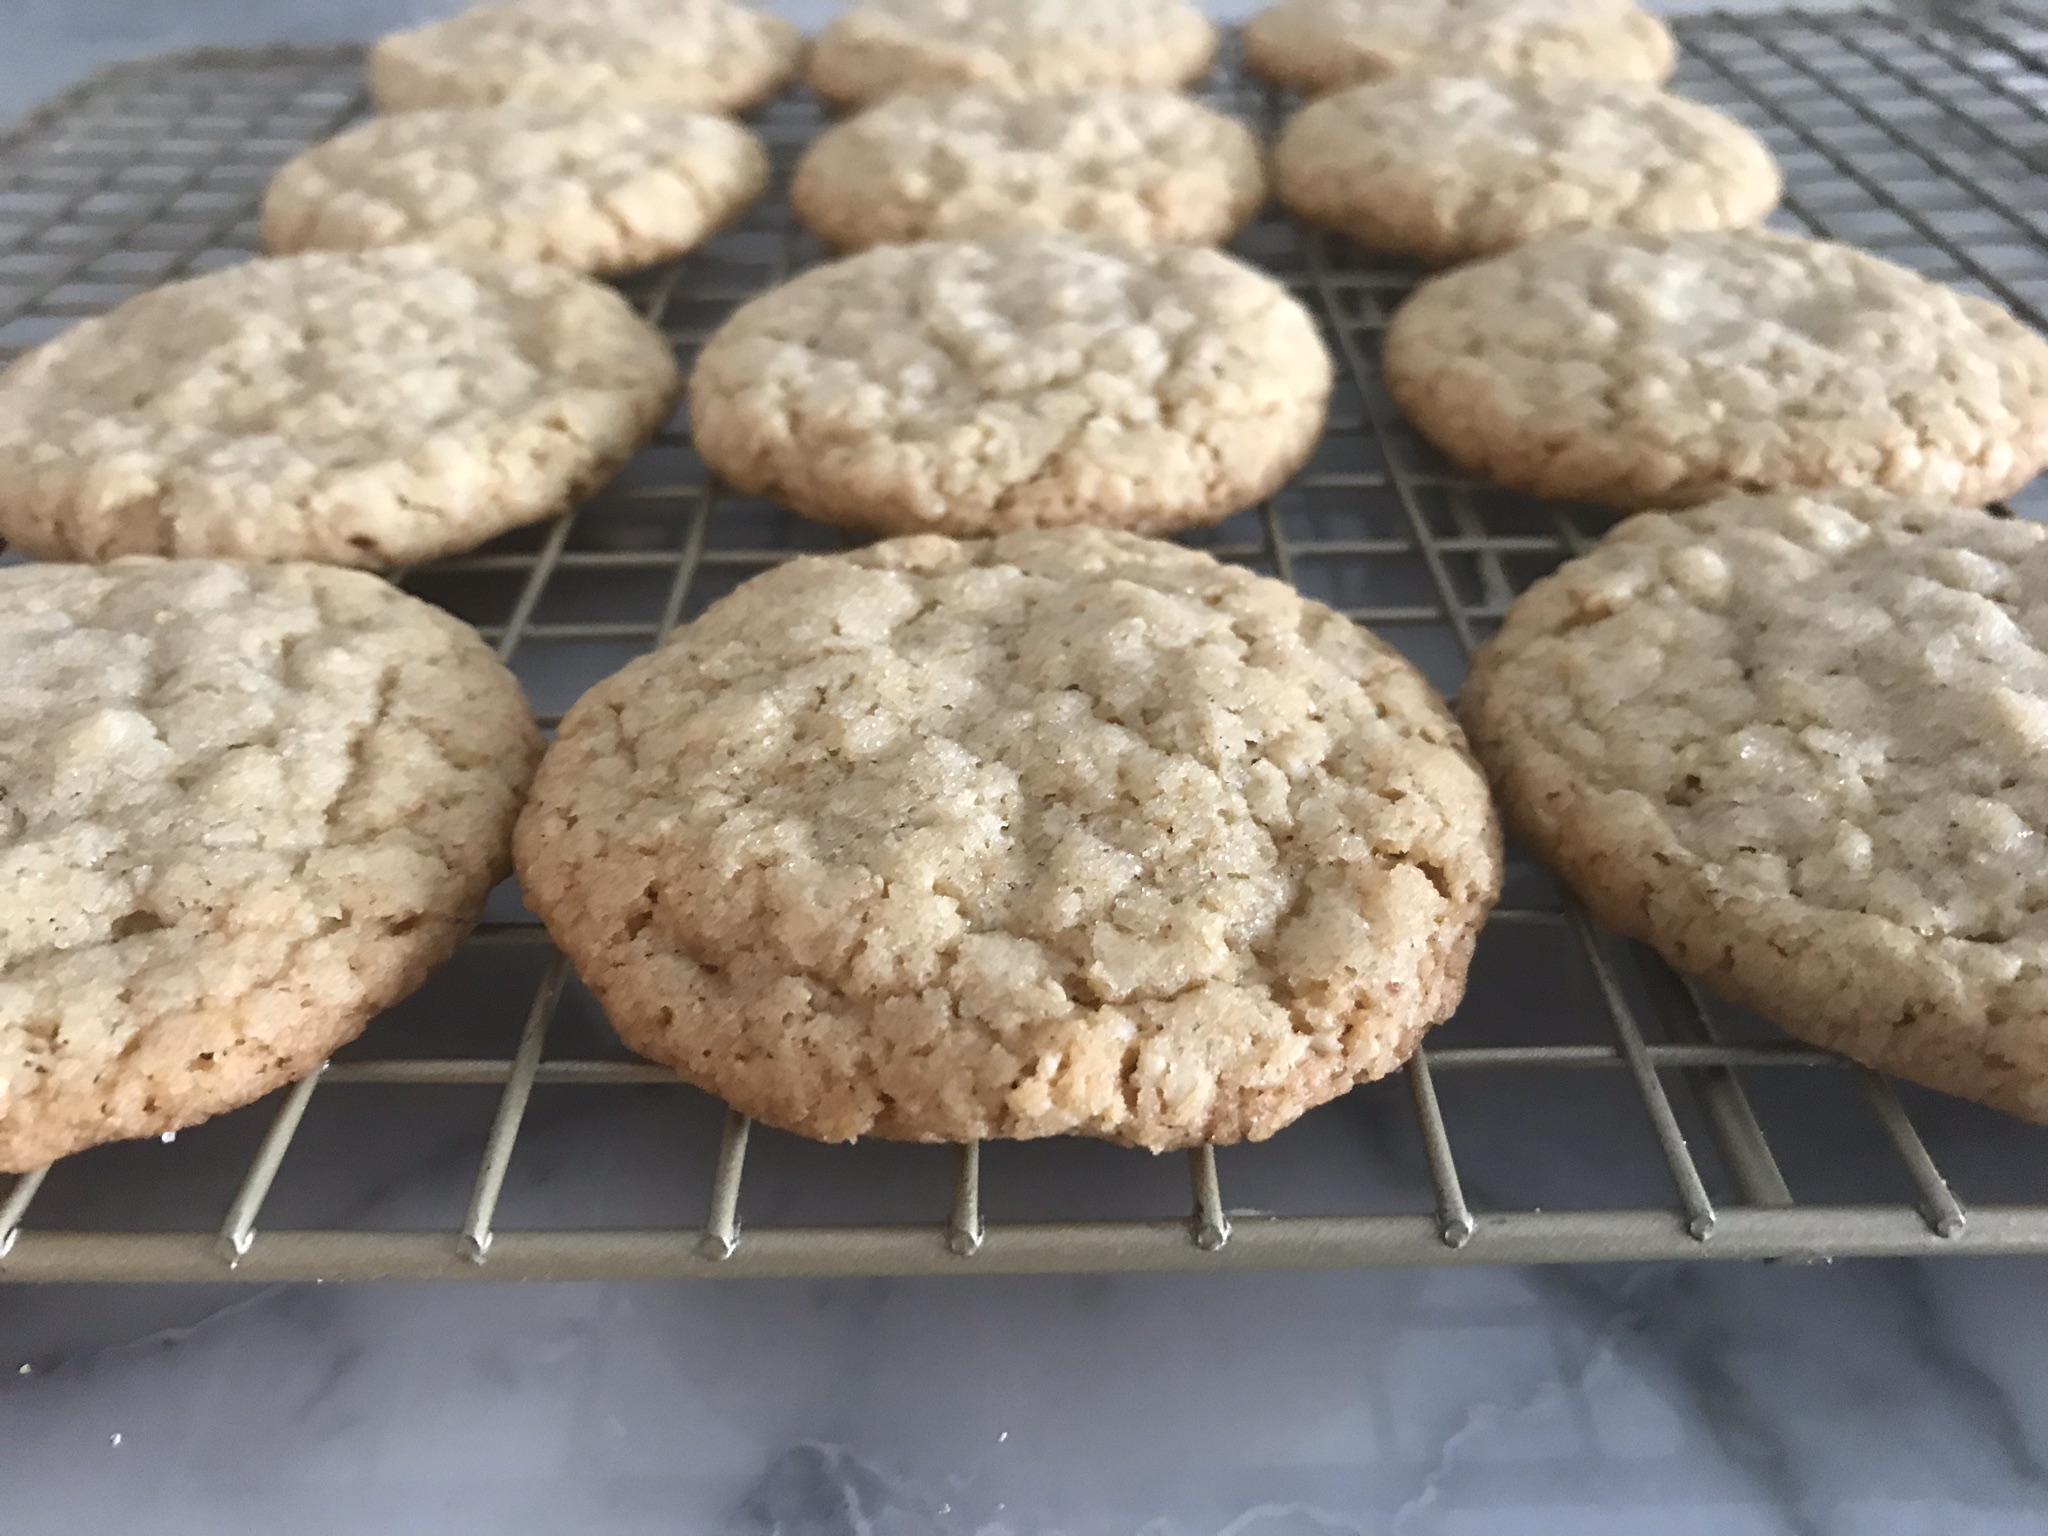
(1865, 1400)
(1860, 1399)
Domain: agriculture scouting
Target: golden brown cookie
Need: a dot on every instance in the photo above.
(1449, 168)
(1800, 745)
(372, 409)
(595, 189)
(1661, 371)
(971, 388)
(701, 55)
(1321, 45)
(1141, 166)
(1063, 832)
(242, 808)
(879, 48)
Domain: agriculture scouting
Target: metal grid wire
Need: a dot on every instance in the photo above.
(1925, 145)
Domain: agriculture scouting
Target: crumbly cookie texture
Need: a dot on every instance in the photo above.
(1140, 166)
(365, 409)
(1800, 745)
(1066, 831)
(1648, 371)
(1321, 45)
(242, 808)
(881, 47)
(1446, 168)
(595, 189)
(706, 55)
(1031, 381)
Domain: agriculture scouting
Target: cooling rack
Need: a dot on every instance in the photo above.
(480, 1130)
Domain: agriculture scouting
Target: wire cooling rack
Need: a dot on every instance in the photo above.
(1585, 1104)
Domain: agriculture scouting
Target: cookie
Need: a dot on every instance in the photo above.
(597, 189)
(706, 55)
(1033, 47)
(242, 808)
(1446, 168)
(372, 409)
(1800, 746)
(1662, 371)
(1141, 166)
(1024, 382)
(1320, 45)
(1063, 832)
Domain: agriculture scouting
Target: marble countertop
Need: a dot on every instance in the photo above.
(1858, 1399)
(1865, 1399)
(1854, 1399)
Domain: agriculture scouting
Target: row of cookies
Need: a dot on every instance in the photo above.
(1435, 168)
(450, 382)
(387, 407)
(925, 840)
(713, 55)
(606, 189)
(1068, 831)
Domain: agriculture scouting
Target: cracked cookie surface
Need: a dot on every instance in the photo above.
(971, 388)
(1063, 832)
(1662, 371)
(369, 409)
(242, 808)
(592, 189)
(1320, 45)
(1800, 745)
(1140, 166)
(1448, 168)
(706, 55)
(1028, 47)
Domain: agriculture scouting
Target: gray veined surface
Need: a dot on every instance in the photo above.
(1586, 1104)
